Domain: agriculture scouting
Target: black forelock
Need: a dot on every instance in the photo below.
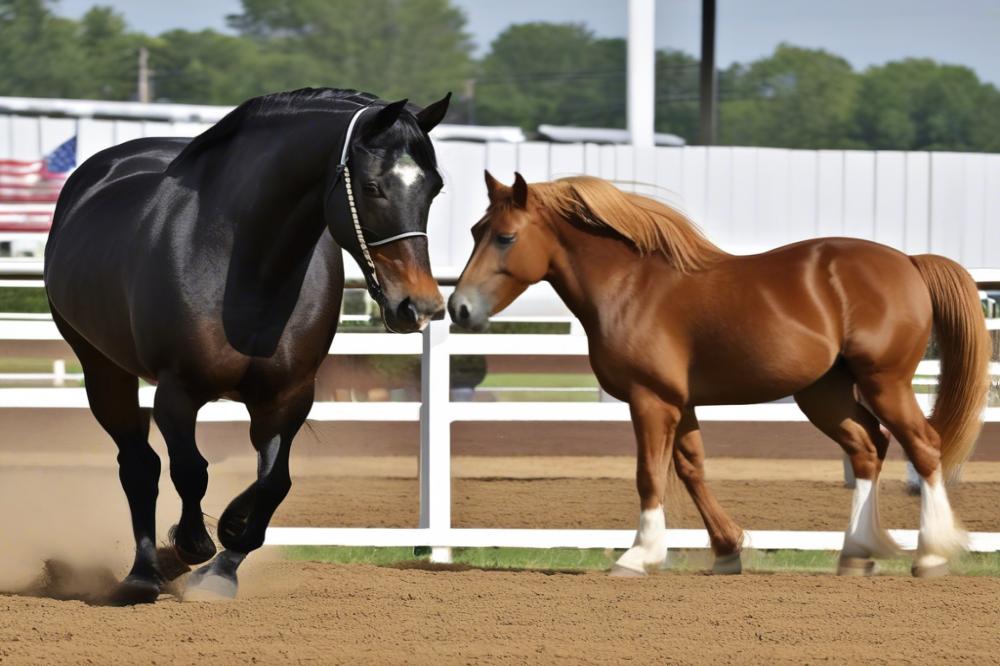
(406, 134)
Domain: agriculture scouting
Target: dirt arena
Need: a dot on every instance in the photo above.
(320, 614)
(64, 501)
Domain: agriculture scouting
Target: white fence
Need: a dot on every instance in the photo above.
(436, 412)
(746, 199)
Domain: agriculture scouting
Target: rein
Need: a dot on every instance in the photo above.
(374, 288)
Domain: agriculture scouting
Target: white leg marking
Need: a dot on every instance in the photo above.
(865, 536)
(650, 547)
(939, 536)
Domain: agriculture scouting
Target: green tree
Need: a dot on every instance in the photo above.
(395, 48)
(796, 98)
(39, 52)
(923, 105)
(552, 73)
(677, 89)
(110, 52)
(207, 67)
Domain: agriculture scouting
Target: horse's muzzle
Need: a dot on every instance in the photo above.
(469, 310)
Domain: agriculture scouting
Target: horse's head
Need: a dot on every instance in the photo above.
(513, 248)
(393, 177)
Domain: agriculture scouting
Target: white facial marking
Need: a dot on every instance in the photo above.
(407, 170)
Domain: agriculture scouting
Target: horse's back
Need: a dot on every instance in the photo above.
(97, 242)
(133, 165)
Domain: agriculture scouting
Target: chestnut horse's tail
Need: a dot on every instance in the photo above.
(965, 347)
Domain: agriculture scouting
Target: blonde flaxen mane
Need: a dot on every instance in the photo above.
(652, 226)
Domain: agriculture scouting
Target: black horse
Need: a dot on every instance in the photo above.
(212, 267)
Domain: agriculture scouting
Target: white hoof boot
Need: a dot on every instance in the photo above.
(210, 587)
(216, 581)
(728, 565)
(650, 548)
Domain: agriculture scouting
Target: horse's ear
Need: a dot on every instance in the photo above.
(494, 188)
(429, 118)
(385, 118)
(520, 191)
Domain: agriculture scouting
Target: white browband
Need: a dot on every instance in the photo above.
(354, 211)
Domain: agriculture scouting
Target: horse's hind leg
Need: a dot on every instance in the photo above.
(831, 406)
(689, 460)
(273, 426)
(114, 400)
(175, 412)
(940, 536)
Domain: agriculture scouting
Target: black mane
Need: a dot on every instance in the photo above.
(264, 107)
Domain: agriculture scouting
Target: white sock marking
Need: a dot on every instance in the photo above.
(865, 536)
(939, 536)
(650, 547)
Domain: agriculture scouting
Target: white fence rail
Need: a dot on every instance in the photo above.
(436, 412)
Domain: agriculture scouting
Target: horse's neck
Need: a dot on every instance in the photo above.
(597, 277)
(274, 203)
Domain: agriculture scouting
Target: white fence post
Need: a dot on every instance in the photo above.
(435, 435)
(59, 372)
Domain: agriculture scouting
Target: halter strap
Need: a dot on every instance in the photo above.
(354, 211)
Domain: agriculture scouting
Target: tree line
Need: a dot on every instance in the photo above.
(532, 73)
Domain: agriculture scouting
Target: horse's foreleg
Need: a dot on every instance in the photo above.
(689, 459)
(654, 422)
(244, 522)
(175, 412)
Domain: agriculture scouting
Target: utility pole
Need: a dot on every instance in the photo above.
(709, 87)
(143, 83)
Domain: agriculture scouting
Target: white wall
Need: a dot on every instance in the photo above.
(746, 199)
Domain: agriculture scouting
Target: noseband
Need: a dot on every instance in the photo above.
(374, 288)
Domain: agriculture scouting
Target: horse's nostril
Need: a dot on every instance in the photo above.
(463, 312)
(407, 311)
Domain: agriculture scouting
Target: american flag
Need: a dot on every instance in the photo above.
(23, 184)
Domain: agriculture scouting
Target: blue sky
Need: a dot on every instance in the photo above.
(866, 32)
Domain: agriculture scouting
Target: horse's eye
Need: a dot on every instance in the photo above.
(372, 188)
(506, 239)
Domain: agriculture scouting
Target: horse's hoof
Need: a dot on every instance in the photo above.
(201, 550)
(728, 565)
(618, 571)
(207, 586)
(855, 566)
(170, 563)
(135, 590)
(932, 571)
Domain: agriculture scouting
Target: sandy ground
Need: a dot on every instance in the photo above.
(63, 500)
(316, 613)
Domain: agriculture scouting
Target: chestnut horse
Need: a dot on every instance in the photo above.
(674, 322)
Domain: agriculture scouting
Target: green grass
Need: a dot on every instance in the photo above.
(538, 380)
(35, 365)
(573, 559)
(23, 299)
